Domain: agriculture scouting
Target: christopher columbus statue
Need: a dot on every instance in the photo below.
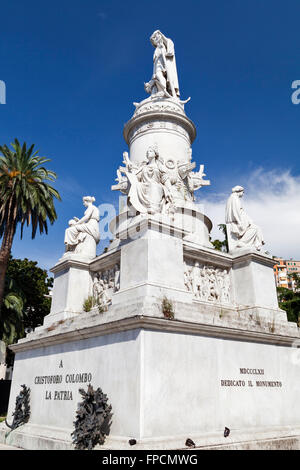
(164, 79)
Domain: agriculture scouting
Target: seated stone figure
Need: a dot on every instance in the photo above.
(83, 234)
(241, 231)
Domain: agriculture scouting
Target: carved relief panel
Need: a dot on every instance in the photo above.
(208, 283)
(105, 283)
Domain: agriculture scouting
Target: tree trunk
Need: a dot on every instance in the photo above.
(4, 255)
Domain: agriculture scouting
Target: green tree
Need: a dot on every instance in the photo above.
(296, 280)
(221, 245)
(290, 302)
(11, 315)
(33, 285)
(26, 300)
(284, 294)
(26, 198)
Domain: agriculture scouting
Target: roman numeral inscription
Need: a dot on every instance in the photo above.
(254, 382)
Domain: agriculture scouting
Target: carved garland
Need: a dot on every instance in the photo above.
(22, 410)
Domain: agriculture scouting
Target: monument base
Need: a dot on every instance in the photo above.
(45, 438)
(166, 380)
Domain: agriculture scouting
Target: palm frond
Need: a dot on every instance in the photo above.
(25, 192)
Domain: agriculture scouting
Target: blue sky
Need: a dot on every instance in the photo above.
(73, 69)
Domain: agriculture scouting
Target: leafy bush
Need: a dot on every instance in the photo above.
(290, 302)
(88, 304)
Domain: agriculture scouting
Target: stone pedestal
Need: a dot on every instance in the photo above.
(166, 380)
(72, 283)
(152, 267)
(255, 287)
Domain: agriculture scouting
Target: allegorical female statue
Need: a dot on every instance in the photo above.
(241, 231)
(158, 185)
(164, 78)
(83, 234)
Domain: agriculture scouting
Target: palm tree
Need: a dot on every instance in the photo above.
(26, 197)
(11, 315)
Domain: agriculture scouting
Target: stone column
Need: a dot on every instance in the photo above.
(163, 122)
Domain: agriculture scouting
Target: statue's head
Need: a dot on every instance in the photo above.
(156, 38)
(238, 190)
(88, 200)
(152, 152)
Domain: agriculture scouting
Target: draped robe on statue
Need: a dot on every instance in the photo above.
(77, 232)
(147, 192)
(164, 60)
(240, 225)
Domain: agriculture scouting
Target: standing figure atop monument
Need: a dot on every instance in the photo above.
(241, 231)
(164, 79)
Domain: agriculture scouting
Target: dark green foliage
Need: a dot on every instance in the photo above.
(34, 284)
(88, 304)
(11, 314)
(24, 304)
(284, 294)
(296, 279)
(26, 195)
(292, 308)
(218, 245)
(221, 245)
(26, 198)
(290, 302)
(21, 414)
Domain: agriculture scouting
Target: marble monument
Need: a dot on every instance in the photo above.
(184, 340)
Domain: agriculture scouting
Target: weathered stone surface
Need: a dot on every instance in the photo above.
(164, 379)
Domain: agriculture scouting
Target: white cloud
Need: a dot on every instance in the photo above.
(272, 200)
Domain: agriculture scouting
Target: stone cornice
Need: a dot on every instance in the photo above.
(159, 115)
(105, 260)
(225, 259)
(70, 263)
(255, 256)
(192, 250)
(159, 223)
(154, 324)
